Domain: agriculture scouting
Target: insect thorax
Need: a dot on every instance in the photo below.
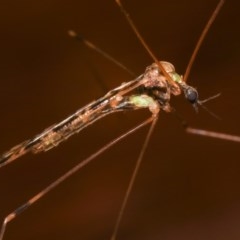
(158, 87)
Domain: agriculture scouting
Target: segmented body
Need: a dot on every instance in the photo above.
(154, 92)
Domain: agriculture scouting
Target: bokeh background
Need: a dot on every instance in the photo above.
(188, 186)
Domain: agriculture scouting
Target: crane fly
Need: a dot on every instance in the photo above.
(152, 90)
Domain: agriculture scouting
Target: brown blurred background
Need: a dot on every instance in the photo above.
(188, 186)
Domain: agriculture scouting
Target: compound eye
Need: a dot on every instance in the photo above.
(192, 95)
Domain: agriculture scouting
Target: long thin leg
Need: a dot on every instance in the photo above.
(53, 185)
(133, 178)
(100, 51)
(218, 135)
(201, 38)
(206, 133)
(143, 42)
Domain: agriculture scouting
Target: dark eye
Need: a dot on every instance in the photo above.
(191, 95)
